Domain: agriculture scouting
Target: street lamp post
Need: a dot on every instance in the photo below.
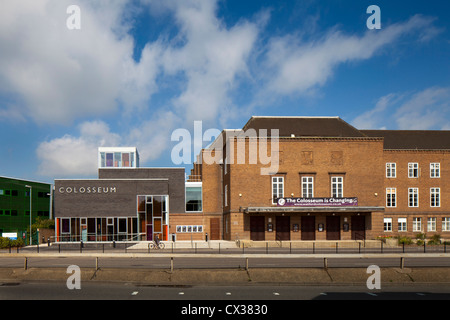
(31, 208)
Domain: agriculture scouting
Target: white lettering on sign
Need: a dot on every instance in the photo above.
(87, 189)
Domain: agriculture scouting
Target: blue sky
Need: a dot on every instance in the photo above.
(137, 70)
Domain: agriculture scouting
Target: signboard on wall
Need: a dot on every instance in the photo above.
(10, 235)
(317, 202)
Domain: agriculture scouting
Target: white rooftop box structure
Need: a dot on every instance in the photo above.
(118, 157)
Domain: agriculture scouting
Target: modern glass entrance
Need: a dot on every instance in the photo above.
(153, 216)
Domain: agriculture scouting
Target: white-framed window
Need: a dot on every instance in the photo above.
(307, 187)
(391, 197)
(431, 224)
(435, 197)
(391, 170)
(417, 224)
(189, 229)
(277, 188)
(446, 224)
(435, 170)
(402, 224)
(337, 187)
(387, 224)
(225, 166)
(225, 196)
(413, 197)
(413, 170)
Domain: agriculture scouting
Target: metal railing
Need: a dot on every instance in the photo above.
(202, 247)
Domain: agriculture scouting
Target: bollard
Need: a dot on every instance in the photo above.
(25, 264)
(246, 264)
(171, 264)
(325, 263)
(96, 263)
(402, 262)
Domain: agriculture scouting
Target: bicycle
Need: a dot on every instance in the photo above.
(153, 245)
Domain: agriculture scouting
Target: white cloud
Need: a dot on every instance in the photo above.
(428, 109)
(373, 118)
(70, 156)
(60, 75)
(296, 67)
(424, 110)
(211, 57)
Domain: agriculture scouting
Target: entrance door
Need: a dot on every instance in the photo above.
(358, 228)
(283, 228)
(308, 228)
(333, 228)
(257, 228)
(214, 227)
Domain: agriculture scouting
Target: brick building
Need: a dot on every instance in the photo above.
(319, 178)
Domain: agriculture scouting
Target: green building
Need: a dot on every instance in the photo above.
(15, 205)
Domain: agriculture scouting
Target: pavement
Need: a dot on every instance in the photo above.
(235, 276)
(279, 276)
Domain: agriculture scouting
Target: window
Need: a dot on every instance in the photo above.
(391, 170)
(2, 192)
(413, 196)
(391, 197)
(109, 160)
(413, 170)
(431, 224)
(193, 198)
(435, 170)
(117, 159)
(402, 224)
(417, 224)
(387, 224)
(125, 159)
(307, 187)
(189, 229)
(446, 224)
(337, 187)
(277, 188)
(102, 160)
(435, 197)
(225, 201)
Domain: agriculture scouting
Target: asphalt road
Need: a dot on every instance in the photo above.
(246, 294)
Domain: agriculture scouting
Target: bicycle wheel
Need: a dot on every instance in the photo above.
(161, 245)
(151, 245)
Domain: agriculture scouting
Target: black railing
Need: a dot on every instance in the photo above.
(281, 247)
